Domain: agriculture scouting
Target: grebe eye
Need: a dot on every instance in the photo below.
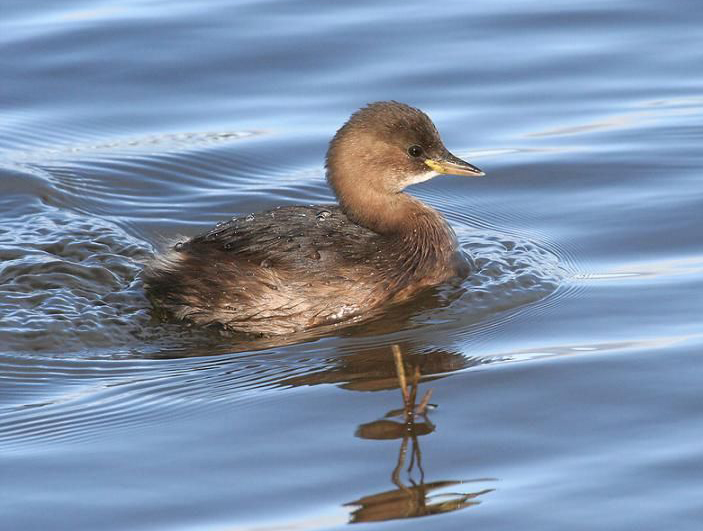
(414, 151)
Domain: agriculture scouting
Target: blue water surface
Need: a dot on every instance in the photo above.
(565, 376)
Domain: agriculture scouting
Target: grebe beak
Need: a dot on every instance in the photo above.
(452, 165)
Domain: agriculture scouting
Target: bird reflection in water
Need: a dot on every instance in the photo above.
(414, 497)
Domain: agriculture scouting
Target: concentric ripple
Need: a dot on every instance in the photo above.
(87, 398)
(68, 282)
(510, 271)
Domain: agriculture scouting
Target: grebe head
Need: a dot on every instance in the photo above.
(385, 147)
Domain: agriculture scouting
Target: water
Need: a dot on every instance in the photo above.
(565, 377)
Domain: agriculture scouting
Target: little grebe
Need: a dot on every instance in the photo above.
(297, 267)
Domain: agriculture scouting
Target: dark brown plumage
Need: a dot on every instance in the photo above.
(294, 268)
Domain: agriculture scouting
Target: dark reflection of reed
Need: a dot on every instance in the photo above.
(413, 497)
(383, 368)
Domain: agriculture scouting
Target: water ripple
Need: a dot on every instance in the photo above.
(68, 282)
(88, 397)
